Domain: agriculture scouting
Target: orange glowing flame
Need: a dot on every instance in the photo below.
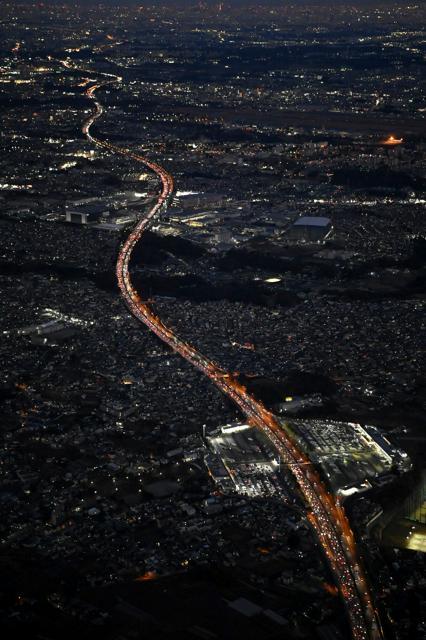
(330, 588)
(391, 141)
(148, 575)
(263, 550)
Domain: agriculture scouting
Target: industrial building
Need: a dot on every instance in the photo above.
(311, 229)
(85, 214)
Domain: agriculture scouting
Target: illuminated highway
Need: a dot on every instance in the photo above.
(324, 512)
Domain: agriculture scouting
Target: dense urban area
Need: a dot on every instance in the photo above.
(137, 500)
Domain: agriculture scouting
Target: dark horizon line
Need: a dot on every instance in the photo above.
(212, 3)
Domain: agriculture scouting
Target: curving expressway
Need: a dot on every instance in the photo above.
(324, 511)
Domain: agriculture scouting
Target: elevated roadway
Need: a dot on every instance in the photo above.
(324, 512)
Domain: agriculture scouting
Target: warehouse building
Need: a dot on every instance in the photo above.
(311, 229)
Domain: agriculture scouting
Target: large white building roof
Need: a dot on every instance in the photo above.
(312, 221)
